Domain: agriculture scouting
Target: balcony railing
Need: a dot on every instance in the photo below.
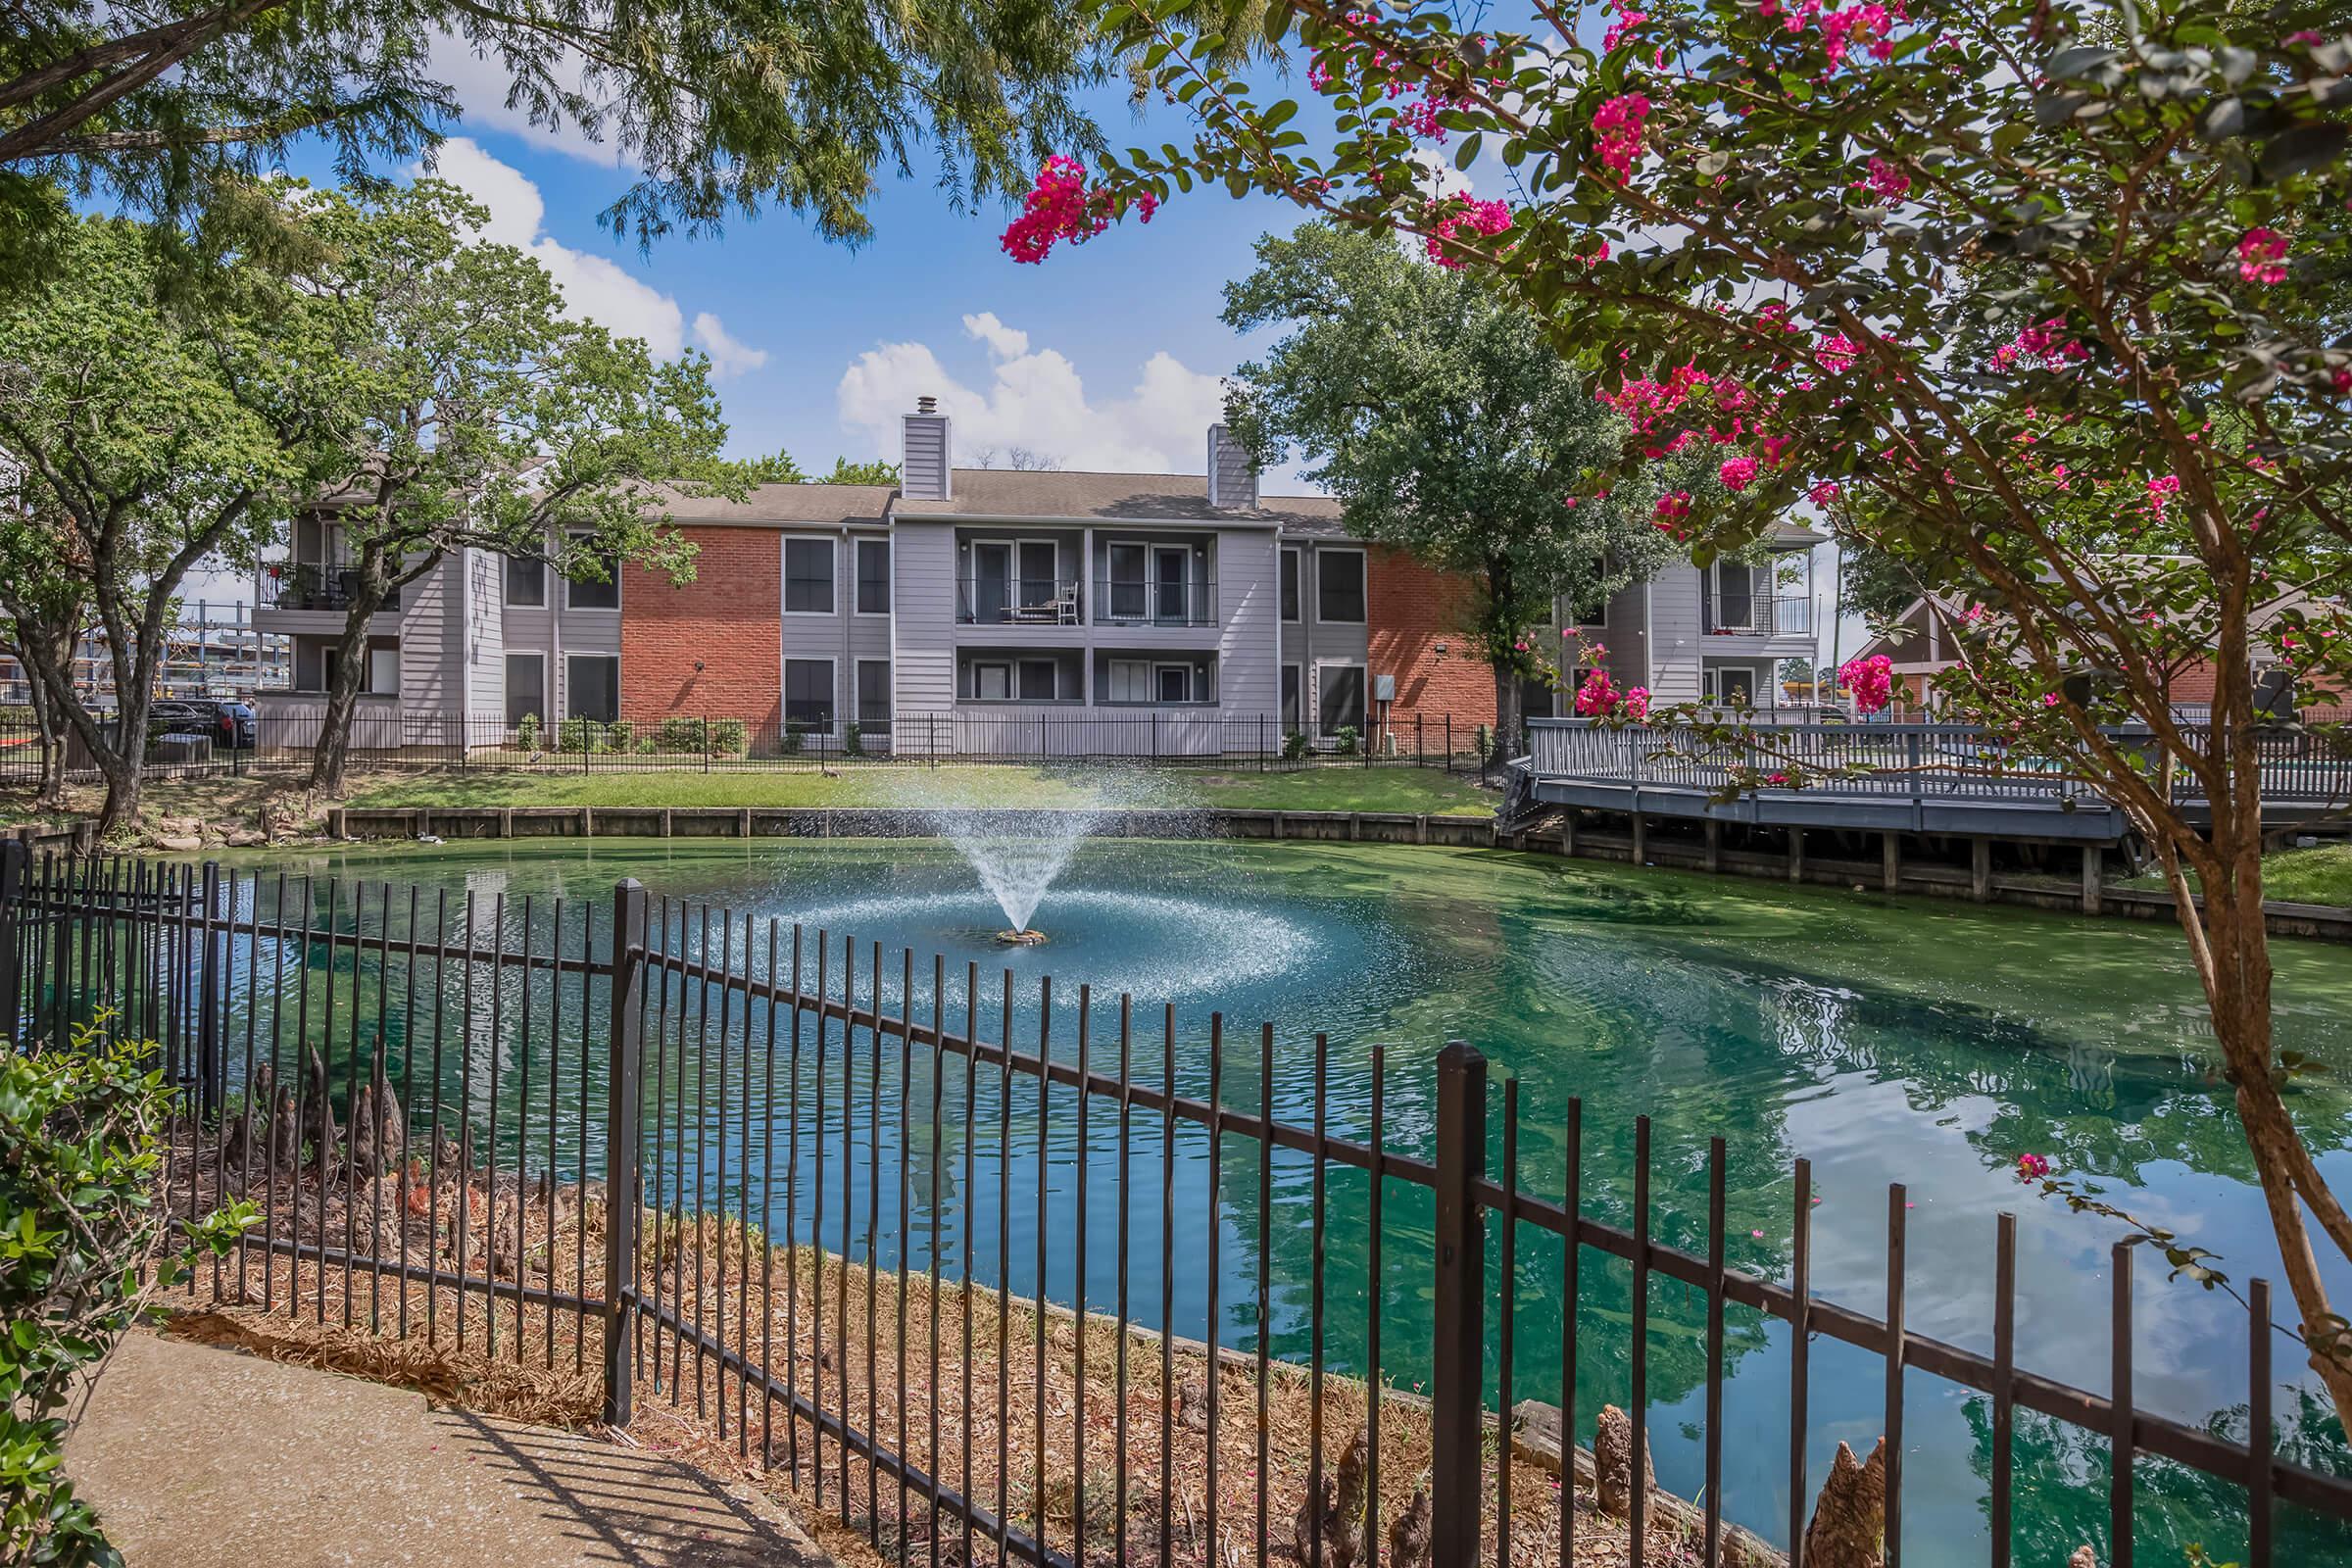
(1735, 615)
(313, 585)
(1155, 601)
(1017, 602)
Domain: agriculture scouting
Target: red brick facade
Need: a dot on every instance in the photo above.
(1413, 609)
(729, 618)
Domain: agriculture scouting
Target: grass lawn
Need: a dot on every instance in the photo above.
(2322, 875)
(1316, 788)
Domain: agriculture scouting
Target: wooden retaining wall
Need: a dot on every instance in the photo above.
(1892, 875)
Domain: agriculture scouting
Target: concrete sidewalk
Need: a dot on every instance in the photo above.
(200, 1457)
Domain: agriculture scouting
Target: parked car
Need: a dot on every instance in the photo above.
(228, 725)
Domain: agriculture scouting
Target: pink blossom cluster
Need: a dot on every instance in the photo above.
(1871, 680)
(1645, 403)
(2044, 346)
(1837, 353)
(1618, 122)
(2031, 1167)
(1599, 697)
(1867, 28)
(1061, 208)
(1823, 493)
(1627, 20)
(1736, 474)
(2161, 491)
(2261, 256)
(1421, 117)
(1482, 217)
(1884, 179)
(1672, 507)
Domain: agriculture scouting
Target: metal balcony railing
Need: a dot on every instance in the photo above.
(1017, 602)
(313, 585)
(1758, 615)
(1155, 601)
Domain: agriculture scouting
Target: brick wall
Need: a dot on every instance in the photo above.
(1412, 609)
(729, 616)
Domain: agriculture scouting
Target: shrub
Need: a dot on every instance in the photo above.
(527, 733)
(580, 735)
(79, 1156)
(728, 737)
(620, 735)
(794, 734)
(1348, 738)
(679, 735)
(853, 741)
(1293, 746)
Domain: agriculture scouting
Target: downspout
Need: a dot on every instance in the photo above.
(848, 554)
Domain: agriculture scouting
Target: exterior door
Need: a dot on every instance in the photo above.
(1171, 583)
(1039, 573)
(1734, 597)
(991, 582)
(1129, 591)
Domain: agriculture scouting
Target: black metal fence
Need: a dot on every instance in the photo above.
(1066, 1298)
(383, 736)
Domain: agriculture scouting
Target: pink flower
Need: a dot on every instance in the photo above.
(1636, 703)
(1058, 207)
(2044, 346)
(1885, 180)
(1672, 507)
(1736, 474)
(1778, 778)
(1620, 27)
(1822, 494)
(1871, 680)
(1484, 217)
(1618, 122)
(2161, 491)
(2050, 699)
(2261, 255)
(2305, 40)
(2031, 1167)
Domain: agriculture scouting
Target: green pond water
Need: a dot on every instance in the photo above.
(1885, 1040)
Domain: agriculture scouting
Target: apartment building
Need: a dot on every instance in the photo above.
(1183, 611)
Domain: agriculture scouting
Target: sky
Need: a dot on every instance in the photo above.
(1106, 356)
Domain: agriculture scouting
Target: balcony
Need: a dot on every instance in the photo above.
(1017, 602)
(1748, 615)
(1155, 601)
(313, 585)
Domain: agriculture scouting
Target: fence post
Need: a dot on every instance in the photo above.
(1449, 740)
(209, 1080)
(622, 1063)
(1459, 1362)
(15, 861)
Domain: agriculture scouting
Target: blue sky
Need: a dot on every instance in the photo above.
(1105, 355)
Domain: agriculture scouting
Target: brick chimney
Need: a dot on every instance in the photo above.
(1232, 476)
(926, 458)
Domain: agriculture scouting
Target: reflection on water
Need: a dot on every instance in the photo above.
(1882, 1040)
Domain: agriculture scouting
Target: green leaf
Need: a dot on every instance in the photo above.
(2303, 149)
(2068, 63)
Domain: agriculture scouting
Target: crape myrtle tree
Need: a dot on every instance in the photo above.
(1448, 425)
(479, 416)
(721, 106)
(1777, 224)
(136, 441)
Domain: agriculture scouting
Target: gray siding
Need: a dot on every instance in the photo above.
(1232, 476)
(1248, 612)
(925, 460)
(484, 641)
(428, 675)
(923, 595)
(1675, 638)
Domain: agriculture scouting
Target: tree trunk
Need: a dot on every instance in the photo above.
(334, 746)
(1506, 707)
(48, 721)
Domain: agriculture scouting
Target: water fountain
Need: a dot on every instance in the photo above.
(1016, 854)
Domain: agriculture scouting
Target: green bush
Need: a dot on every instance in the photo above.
(1293, 746)
(853, 741)
(1348, 738)
(729, 737)
(795, 735)
(679, 735)
(620, 735)
(527, 733)
(580, 735)
(80, 1151)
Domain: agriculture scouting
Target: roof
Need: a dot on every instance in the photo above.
(767, 505)
(1117, 498)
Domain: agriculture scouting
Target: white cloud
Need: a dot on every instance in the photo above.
(727, 355)
(594, 289)
(1004, 342)
(1036, 399)
(480, 87)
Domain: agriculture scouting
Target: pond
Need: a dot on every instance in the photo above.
(1883, 1039)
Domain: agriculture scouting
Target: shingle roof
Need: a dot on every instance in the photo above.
(1115, 497)
(828, 504)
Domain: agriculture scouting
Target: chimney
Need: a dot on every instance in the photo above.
(926, 461)
(1232, 476)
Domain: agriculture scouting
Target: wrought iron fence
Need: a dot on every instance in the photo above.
(1067, 1299)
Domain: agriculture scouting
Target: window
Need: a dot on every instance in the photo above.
(1037, 680)
(1290, 698)
(807, 577)
(873, 577)
(873, 693)
(1590, 607)
(1290, 584)
(808, 691)
(1339, 689)
(592, 687)
(526, 581)
(1130, 595)
(588, 593)
(992, 683)
(1173, 683)
(526, 687)
(1340, 585)
(1130, 681)
(1729, 684)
